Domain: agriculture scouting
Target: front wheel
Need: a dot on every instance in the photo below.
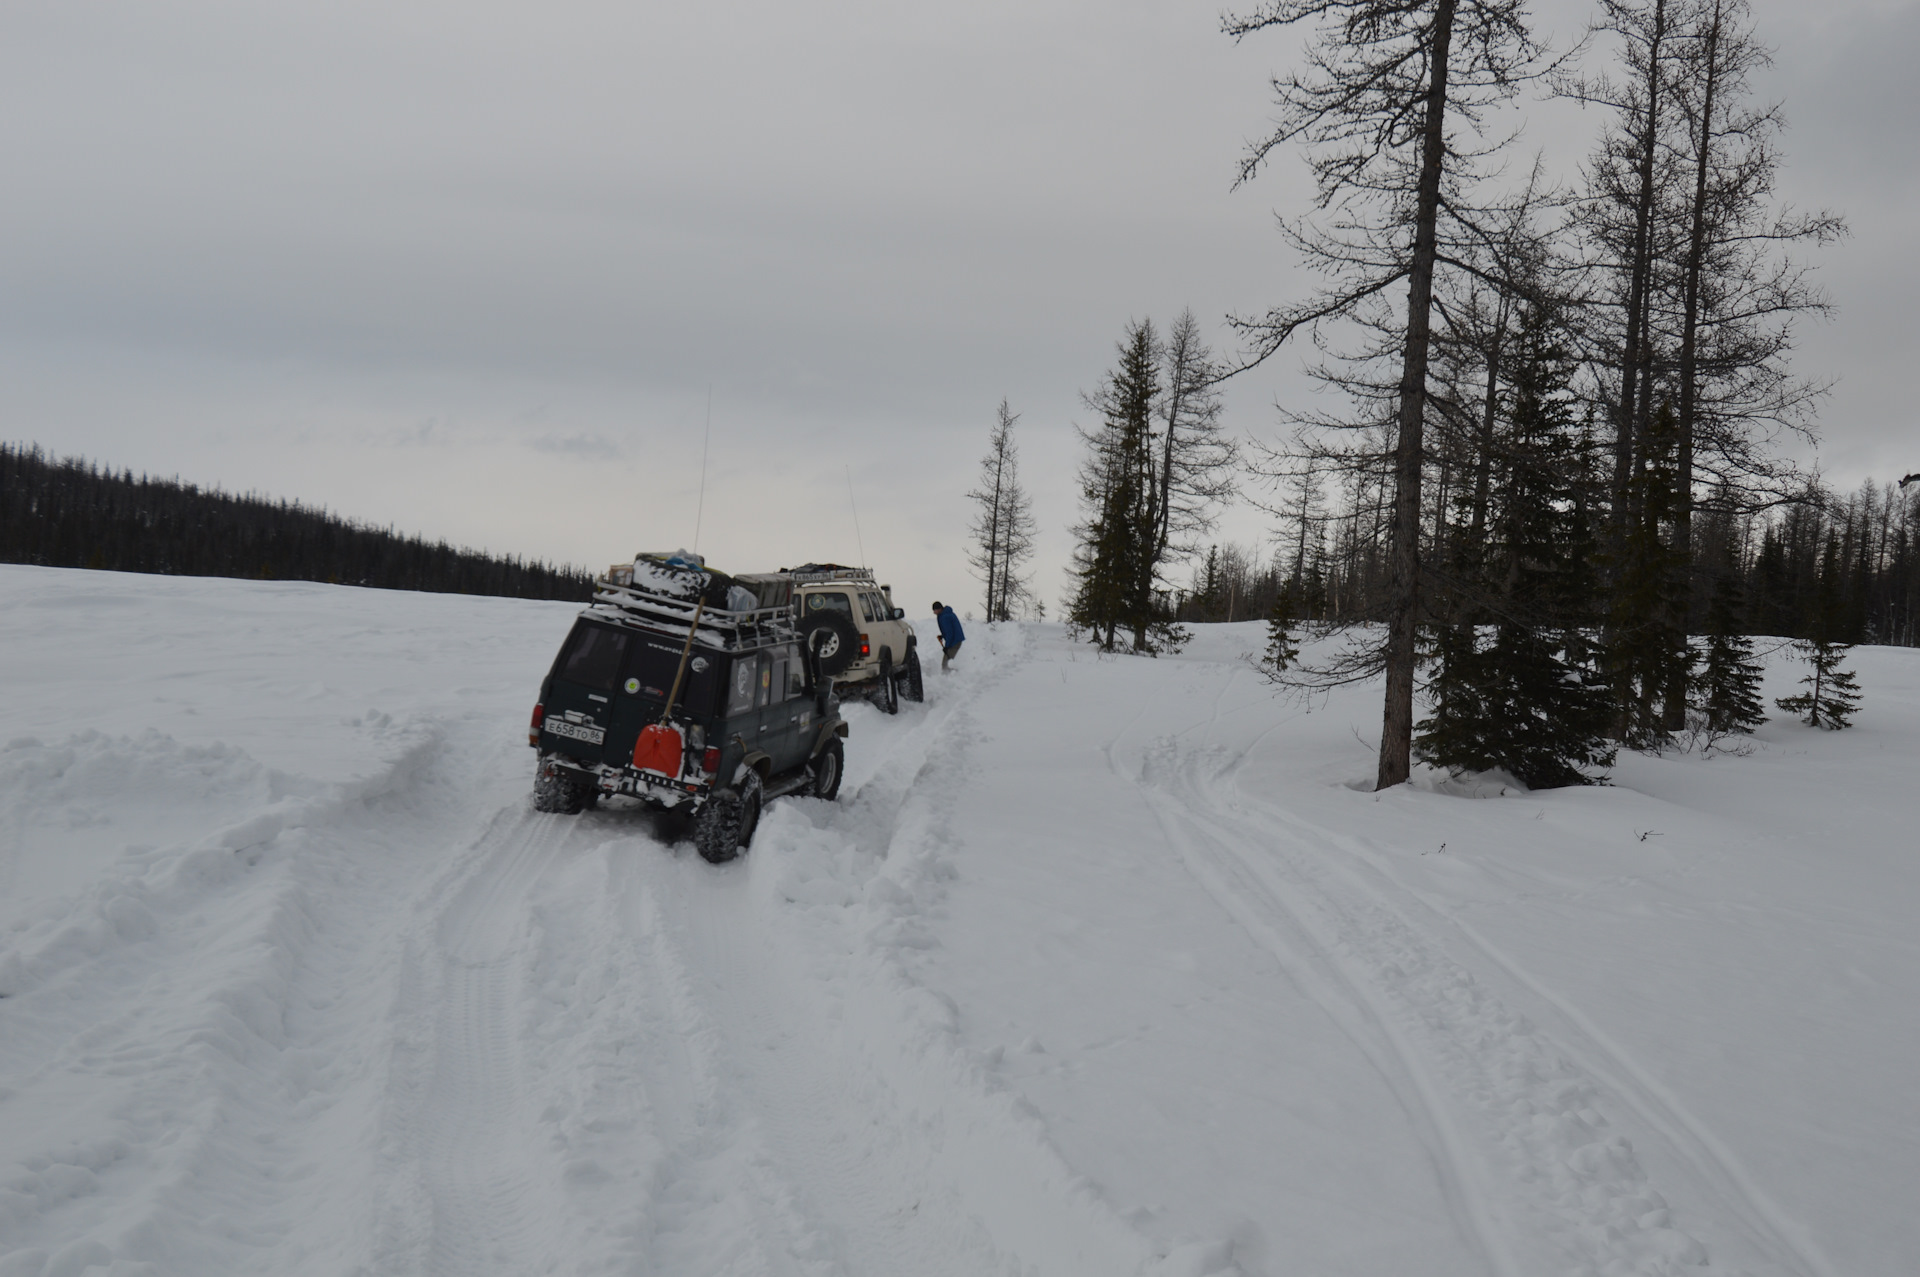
(726, 824)
(915, 689)
(828, 765)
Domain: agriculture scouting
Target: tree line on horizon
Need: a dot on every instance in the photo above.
(1553, 493)
(73, 513)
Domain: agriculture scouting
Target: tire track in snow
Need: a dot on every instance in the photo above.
(469, 1200)
(479, 1186)
(1718, 1171)
(903, 1154)
(1273, 923)
(1548, 1166)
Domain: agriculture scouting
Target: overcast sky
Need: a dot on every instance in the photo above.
(473, 269)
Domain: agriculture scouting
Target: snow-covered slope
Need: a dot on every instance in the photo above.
(1098, 967)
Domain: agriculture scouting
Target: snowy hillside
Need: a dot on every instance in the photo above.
(1098, 967)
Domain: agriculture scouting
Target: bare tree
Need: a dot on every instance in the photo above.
(1003, 522)
(1197, 460)
(1393, 107)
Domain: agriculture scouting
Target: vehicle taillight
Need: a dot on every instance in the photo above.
(863, 645)
(710, 761)
(533, 730)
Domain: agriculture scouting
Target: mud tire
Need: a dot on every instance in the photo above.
(913, 687)
(828, 767)
(558, 792)
(726, 824)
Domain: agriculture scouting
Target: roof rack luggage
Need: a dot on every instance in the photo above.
(664, 593)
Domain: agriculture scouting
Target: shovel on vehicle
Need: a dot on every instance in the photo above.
(660, 747)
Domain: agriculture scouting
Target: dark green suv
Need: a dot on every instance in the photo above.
(711, 709)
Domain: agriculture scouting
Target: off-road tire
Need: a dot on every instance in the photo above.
(726, 824)
(828, 766)
(830, 636)
(888, 691)
(916, 688)
(558, 792)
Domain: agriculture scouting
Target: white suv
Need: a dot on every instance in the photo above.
(845, 616)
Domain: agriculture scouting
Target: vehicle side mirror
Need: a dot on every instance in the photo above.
(896, 614)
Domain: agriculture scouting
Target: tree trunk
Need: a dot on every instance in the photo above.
(1689, 371)
(1634, 360)
(1403, 590)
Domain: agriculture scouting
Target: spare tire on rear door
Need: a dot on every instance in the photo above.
(830, 636)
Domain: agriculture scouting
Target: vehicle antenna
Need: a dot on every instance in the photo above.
(700, 510)
(860, 540)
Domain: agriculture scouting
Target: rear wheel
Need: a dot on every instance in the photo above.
(915, 689)
(828, 764)
(889, 689)
(557, 790)
(726, 823)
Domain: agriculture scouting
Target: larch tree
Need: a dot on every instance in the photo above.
(1393, 107)
(1003, 525)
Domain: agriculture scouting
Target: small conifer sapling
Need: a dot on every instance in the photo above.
(1727, 692)
(1832, 695)
(1282, 650)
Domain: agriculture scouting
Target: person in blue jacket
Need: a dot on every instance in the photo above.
(951, 635)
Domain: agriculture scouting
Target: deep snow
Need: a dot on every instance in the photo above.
(1099, 966)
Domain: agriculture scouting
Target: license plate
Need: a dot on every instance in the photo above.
(577, 731)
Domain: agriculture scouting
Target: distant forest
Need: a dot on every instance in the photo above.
(1847, 563)
(71, 513)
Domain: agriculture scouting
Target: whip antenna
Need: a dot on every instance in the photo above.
(858, 539)
(700, 510)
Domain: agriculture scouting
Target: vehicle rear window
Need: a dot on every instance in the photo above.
(838, 602)
(594, 653)
(654, 663)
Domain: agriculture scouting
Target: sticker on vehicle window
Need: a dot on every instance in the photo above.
(633, 685)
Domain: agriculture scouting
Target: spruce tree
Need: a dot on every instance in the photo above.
(1832, 696)
(1282, 650)
(1727, 693)
(1524, 698)
(1115, 564)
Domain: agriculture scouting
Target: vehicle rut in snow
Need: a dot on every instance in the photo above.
(1544, 1177)
(607, 1048)
(885, 1146)
(1684, 1138)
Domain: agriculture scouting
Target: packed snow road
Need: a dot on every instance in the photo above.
(1099, 966)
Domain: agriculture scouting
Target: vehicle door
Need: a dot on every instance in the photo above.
(882, 629)
(647, 677)
(743, 714)
(579, 701)
(789, 711)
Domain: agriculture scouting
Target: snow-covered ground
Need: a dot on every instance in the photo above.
(1098, 967)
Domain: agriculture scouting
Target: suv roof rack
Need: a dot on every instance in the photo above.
(808, 573)
(637, 606)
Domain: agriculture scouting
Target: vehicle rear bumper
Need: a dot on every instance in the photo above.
(649, 787)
